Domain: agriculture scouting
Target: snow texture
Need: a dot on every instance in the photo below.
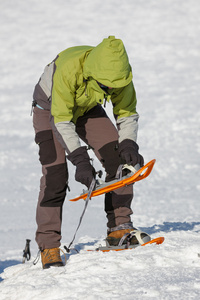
(162, 41)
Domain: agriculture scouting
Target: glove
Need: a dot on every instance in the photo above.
(128, 151)
(84, 170)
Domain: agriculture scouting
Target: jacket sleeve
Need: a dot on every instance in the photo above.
(62, 107)
(63, 95)
(69, 136)
(124, 109)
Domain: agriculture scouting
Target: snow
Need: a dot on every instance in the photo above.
(162, 40)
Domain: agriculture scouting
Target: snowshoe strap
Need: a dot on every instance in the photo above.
(127, 236)
(128, 167)
(119, 172)
(137, 234)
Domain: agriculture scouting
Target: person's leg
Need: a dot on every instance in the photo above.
(53, 182)
(97, 130)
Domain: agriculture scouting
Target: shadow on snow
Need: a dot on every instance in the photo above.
(7, 263)
(171, 226)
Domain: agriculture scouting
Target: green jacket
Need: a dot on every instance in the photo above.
(75, 89)
(69, 88)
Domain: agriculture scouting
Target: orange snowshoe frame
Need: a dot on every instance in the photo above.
(132, 177)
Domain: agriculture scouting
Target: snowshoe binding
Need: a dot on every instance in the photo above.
(125, 239)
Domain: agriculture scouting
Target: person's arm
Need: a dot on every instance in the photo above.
(63, 104)
(62, 107)
(124, 109)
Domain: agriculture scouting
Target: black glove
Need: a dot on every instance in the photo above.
(128, 151)
(84, 170)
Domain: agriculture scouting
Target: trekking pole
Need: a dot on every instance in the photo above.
(91, 188)
(26, 252)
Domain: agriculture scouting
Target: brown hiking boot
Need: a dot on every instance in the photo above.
(51, 258)
(138, 237)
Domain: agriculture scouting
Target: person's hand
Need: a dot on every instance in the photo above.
(84, 170)
(128, 151)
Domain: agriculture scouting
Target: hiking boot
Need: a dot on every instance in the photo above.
(133, 236)
(51, 258)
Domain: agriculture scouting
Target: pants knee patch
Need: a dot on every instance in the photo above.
(56, 185)
(47, 150)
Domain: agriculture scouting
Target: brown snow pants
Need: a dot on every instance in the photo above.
(97, 131)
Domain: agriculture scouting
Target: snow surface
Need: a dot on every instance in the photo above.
(162, 40)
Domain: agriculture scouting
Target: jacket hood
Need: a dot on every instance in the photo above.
(108, 64)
